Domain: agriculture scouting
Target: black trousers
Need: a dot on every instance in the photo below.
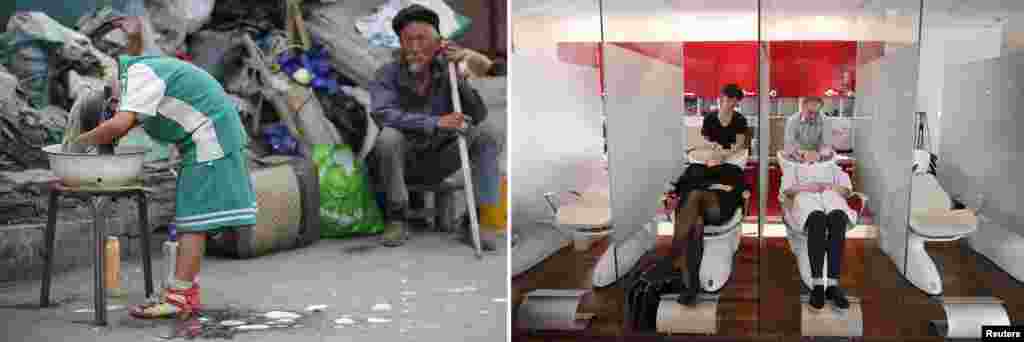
(826, 234)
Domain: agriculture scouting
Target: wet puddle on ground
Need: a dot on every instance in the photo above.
(225, 323)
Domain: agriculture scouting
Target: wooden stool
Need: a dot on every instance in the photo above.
(442, 215)
(95, 197)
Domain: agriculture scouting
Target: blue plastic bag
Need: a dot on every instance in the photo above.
(280, 141)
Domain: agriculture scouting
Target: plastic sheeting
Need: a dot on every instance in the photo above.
(172, 20)
(333, 25)
(210, 51)
(37, 26)
(37, 39)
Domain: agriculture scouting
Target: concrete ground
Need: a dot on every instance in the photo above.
(433, 287)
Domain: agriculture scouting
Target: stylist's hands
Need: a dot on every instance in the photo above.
(809, 156)
(841, 190)
(452, 121)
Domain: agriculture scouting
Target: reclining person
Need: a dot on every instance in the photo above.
(816, 194)
(806, 132)
(411, 99)
(709, 193)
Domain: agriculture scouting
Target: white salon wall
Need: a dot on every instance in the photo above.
(556, 125)
(983, 152)
(644, 134)
(885, 113)
(943, 48)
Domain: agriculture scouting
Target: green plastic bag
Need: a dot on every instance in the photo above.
(347, 206)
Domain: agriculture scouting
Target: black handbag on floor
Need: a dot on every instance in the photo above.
(644, 291)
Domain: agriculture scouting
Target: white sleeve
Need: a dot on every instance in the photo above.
(141, 90)
(788, 176)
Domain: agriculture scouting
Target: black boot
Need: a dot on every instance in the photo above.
(694, 254)
(688, 293)
(838, 297)
(818, 297)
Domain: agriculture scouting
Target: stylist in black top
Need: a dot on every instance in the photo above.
(726, 128)
(709, 193)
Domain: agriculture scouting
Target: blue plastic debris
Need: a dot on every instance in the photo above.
(317, 61)
(280, 141)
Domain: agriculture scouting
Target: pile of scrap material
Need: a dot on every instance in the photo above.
(298, 70)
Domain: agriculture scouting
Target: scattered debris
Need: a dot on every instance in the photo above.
(253, 327)
(112, 307)
(282, 321)
(232, 323)
(382, 307)
(345, 321)
(316, 308)
(378, 320)
(463, 289)
(281, 315)
(34, 176)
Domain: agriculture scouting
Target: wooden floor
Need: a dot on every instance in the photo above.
(762, 300)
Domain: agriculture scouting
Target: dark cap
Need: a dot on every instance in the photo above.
(415, 13)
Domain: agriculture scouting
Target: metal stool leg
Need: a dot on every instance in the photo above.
(147, 266)
(99, 295)
(49, 237)
(444, 201)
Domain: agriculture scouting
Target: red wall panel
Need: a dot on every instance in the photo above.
(798, 68)
(737, 63)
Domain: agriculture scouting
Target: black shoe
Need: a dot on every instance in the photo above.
(818, 297)
(688, 290)
(838, 297)
(688, 297)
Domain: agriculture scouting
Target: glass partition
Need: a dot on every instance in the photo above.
(557, 151)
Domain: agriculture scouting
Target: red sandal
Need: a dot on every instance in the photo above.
(182, 303)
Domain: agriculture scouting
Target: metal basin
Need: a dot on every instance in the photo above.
(124, 167)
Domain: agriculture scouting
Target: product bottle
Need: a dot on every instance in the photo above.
(170, 254)
(112, 266)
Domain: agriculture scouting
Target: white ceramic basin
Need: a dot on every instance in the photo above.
(122, 168)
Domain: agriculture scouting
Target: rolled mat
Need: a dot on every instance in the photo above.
(288, 198)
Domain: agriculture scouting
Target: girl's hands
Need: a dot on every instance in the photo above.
(130, 25)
